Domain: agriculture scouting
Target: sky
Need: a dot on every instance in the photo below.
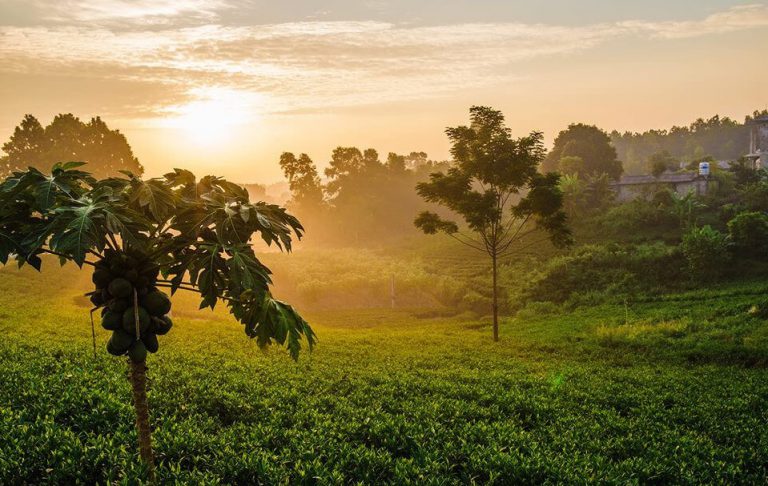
(225, 86)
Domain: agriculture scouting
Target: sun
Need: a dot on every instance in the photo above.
(215, 115)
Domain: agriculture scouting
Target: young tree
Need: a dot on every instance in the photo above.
(140, 236)
(495, 187)
(67, 138)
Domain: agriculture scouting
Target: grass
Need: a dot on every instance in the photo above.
(673, 390)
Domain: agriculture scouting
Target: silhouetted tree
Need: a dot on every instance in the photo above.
(484, 186)
(306, 189)
(590, 144)
(68, 139)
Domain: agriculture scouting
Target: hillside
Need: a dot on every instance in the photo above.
(671, 390)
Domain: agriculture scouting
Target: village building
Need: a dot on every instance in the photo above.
(631, 187)
(758, 142)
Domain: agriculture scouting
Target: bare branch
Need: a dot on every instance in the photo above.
(479, 248)
(517, 250)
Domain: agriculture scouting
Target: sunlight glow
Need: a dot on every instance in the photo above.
(215, 115)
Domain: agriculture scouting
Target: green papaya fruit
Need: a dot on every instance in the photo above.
(120, 288)
(157, 303)
(112, 350)
(132, 275)
(121, 341)
(119, 305)
(138, 352)
(150, 342)
(101, 278)
(161, 325)
(112, 321)
(129, 320)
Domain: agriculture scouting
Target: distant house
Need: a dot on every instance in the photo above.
(758, 142)
(631, 187)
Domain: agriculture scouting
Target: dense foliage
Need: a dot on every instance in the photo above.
(667, 392)
(749, 232)
(707, 252)
(495, 187)
(176, 225)
(67, 138)
(583, 149)
(720, 138)
(364, 201)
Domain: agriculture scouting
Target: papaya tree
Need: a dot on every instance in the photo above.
(141, 237)
(495, 186)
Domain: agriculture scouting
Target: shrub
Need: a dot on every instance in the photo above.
(706, 252)
(638, 218)
(609, 269)
(749, 232)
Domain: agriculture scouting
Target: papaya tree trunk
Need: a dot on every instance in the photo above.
(138, 379)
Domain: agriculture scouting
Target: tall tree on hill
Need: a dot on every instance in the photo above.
(495, 187)
(590, 144)
(67, 138)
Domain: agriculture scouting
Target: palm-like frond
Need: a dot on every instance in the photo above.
(199, 234)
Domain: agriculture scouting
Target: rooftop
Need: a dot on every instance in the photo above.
(649, 179)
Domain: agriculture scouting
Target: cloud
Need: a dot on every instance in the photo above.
(737, 18)
(106, 12)
(311, 65)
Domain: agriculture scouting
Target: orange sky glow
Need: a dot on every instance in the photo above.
(224, 87)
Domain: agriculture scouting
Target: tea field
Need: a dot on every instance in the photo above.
(668, 391)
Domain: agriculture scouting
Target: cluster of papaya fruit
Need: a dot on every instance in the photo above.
(132, 307)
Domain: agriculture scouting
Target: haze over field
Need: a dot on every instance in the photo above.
(231, 85)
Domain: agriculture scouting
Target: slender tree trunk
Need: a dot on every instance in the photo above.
(495, 301)
(138, 379)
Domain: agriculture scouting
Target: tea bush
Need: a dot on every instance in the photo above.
(670, 390)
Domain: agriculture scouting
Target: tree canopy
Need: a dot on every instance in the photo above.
(591, 145)
(198, 232)
(65, 139)
(718, 137)
(362, 200)
(306, 189)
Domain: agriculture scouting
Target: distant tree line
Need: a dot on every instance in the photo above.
(716, 138)
(362, 199)
(68, 139)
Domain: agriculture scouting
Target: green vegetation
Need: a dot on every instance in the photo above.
(194, 233)
(67, 138)
(716, 138)
(637, 356)
(495, 187)
(668, 390)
